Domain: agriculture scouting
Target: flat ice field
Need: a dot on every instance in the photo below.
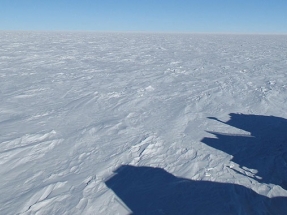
(107, 123)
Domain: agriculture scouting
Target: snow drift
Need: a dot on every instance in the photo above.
(114, 123)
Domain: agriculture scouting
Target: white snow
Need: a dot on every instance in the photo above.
(115, 123)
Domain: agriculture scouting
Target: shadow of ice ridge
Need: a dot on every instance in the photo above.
(265, 151)
(148, 190)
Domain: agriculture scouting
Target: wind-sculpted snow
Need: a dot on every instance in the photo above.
(114, 123)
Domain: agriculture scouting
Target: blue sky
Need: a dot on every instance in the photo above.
(226, 16)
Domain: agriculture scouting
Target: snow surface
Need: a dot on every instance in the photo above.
(114, 123)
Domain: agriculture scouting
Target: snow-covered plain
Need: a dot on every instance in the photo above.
(114, 123)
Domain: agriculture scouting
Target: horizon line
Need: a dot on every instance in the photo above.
(147, 32)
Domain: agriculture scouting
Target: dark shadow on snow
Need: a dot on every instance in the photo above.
(264, 150)
(148, 190)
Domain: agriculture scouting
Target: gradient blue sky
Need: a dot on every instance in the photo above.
(226, 16)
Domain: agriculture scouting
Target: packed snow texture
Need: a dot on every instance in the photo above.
(114, 123)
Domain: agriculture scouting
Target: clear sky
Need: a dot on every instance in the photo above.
(226, 16)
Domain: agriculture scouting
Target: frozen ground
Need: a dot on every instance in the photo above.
(142, 124)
